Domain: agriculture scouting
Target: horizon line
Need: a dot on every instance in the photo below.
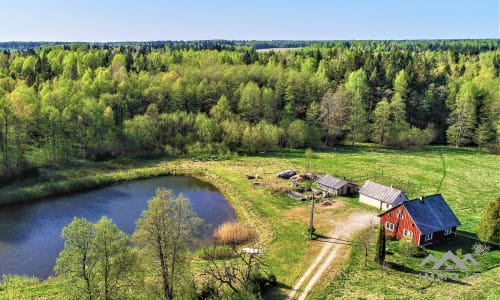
(250, 40)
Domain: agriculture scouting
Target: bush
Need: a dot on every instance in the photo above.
(231, 233)
(261, 282)
(217, 252)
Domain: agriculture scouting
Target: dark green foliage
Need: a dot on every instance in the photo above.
(380, 246)
(489, 227)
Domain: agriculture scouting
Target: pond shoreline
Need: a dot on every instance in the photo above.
(36, 226)
(45, 190)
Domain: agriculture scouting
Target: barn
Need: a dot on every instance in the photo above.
(426, 220)
(380, 196)
(336, 185)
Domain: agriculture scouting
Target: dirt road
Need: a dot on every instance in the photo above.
(339, 237)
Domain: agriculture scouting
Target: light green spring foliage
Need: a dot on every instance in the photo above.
(489, 227)
(96, 259)
(59, 104)
(163, 234)
(357, 88)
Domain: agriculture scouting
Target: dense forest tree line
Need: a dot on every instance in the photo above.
(79, 101)
(463, 46)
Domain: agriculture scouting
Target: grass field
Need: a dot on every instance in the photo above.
(404, 278)
(468, 179)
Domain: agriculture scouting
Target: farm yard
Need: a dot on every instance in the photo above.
(468, 179)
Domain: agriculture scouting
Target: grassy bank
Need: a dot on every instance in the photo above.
(88, 176)
(466, 178)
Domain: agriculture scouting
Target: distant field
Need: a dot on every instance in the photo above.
(276, 49)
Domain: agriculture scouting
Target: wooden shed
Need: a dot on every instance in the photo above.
(336, 185)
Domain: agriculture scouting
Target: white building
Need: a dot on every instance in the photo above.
(380, 196)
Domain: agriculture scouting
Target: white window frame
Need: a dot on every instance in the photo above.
(428, 236)
(400, 216)
(447, 231)
(389, 226)
(407, 233)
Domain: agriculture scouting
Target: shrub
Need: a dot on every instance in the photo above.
(231, 233)
(217, 252)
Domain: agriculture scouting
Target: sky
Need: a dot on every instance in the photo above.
(146, 20)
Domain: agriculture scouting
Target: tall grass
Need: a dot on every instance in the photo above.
(232, 233)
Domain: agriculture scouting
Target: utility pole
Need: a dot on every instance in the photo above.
(311, 227)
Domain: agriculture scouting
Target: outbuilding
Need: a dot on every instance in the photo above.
(380, 196)
(336, 185)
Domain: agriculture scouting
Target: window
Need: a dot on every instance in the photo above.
(407, 233)
(447, 231)
(400, 216)
(428, 236)
(389, 226)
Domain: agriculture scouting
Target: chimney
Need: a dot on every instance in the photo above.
(421, 199)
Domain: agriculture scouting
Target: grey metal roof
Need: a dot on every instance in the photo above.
(332, 181)
(380, 192)
(432, 214)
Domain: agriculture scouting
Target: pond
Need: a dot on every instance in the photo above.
(30, 233)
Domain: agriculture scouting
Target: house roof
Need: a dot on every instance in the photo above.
(430, 214)
(332, 181)
(380, 192)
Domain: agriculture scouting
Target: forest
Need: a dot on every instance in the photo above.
(60, 103)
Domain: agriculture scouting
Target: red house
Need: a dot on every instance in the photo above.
(426, 220)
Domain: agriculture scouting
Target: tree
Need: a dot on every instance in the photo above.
(407, 248)
(489, 226)
(96, 258)
(381, 116)
(357, 88)
(240, 275)
(463, 117)
(334, 113)
(380, 246)
(115, 259)
(250, 104)
(401, 83)
(297, 134)
(163, 233)
(221, 111)
(398, 112)
(77, 259)
(142, 132)
(308, 155)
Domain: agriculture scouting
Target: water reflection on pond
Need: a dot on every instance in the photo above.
(30, 233)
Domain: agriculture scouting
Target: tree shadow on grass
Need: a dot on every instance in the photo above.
(464, 241)
(278, 291)
(422, 274)
(333, 240)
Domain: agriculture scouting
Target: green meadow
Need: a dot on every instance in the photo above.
(467, 178)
